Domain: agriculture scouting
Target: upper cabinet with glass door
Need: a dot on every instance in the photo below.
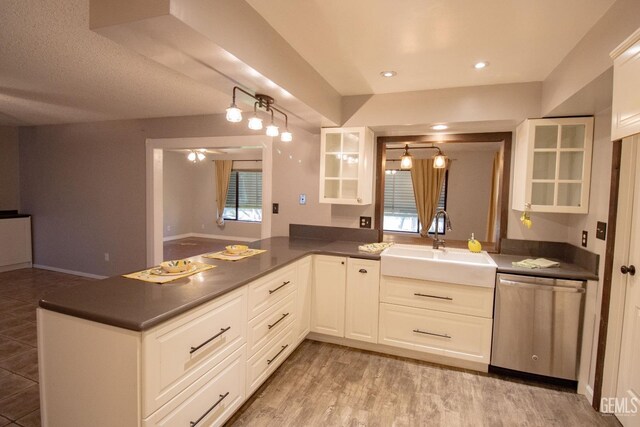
(346, 166)
(552, 170)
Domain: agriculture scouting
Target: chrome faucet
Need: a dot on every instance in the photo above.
(437, 242)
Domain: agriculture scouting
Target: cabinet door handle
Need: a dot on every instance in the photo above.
(222, 396)
(277, 354)
(418, 331)
(432, 296)
(222, 331)
(278, 321)
(279, 287)
(362, 270)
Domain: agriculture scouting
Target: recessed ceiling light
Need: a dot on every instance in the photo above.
(388, 73)
(439, 127)
(480, 65)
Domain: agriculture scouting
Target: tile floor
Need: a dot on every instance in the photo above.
(20, 291)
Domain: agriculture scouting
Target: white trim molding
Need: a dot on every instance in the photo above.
(154, 172)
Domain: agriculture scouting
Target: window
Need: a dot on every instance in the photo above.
(400, 212)
(244, 199)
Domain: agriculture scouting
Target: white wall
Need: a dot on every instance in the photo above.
(178, 189)
(9, 169)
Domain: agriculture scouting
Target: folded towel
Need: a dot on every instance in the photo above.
(374, 248)
(536, 263)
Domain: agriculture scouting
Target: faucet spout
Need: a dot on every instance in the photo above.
(437, 242)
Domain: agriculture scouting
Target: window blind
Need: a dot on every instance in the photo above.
(244, 198)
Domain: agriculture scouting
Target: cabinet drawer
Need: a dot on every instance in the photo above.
(446, 334)
(267, 325)
(268, 290)
(210, 401)
(267, 360)
(472, 300)
(176, 354)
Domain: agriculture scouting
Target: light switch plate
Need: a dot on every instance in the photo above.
(601, 230)
(585, 236)
(276, 208)
(365, 222)
(303, 199)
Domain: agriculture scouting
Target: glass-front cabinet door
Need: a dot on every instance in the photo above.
(346, 166)
(552, 169)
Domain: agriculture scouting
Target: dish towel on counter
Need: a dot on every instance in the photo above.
(374, 248)
(536, 263)
(155, 275)
(226, 256)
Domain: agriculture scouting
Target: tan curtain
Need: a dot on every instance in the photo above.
(427, 184)
(223, 175)
(493, 200)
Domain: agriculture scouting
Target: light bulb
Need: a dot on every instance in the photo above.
(272, 130)
(191, 156)
(439, 161)
(406, 162)
(255, 123)
(201, 156)
(234, 114)
(286, 136)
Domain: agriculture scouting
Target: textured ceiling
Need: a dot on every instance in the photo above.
(53, 69)
(430, 44)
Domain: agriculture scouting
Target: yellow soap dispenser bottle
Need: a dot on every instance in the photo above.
(474, 245)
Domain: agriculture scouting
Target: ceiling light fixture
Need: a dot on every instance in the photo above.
(234, 114)
(196, 156)
(439, 127)
(480, 65)
(406, 161)
(389, 73)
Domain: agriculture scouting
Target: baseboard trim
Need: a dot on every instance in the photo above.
(177, 237)
(400, 352)
(18, 266)
(73, 272)
(588, 393)
(210, 236)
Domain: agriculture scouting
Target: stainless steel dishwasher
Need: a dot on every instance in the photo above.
(537, 325)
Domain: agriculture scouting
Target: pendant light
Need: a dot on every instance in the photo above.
(255, 122)
(406, 161)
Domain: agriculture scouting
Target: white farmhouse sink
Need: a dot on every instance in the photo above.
(439, 265)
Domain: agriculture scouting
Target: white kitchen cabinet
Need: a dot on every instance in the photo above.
(15, 249)
(328, 295)
(361, 314)
(626, 80)
(552, 170)
(347, 165)
(303, 298)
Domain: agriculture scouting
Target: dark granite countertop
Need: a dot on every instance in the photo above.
(138, 306)
(565, 271)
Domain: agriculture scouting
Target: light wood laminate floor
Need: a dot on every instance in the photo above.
(328, 385)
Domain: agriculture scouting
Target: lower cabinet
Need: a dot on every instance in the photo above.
(15, 250)
(210, 400)
(328, 295)
(362, 300)
(303, 298)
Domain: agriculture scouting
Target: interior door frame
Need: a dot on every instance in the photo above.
(617, 251)
(154, 170)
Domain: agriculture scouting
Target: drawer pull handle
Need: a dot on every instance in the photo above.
(222, 331)
(278, 321)
(418, 331)
(433, 296)
(222, 396)
(362, 270)
(278, 354)
(279, 287)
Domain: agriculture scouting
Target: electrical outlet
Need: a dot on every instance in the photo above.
(202, 226)
(585, 236)
(168, 228)
(276, 208)
(106, 256)
(601, 230)
(303, 199)
(365, 222)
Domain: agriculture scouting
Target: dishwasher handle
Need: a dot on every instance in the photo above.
(541, 287)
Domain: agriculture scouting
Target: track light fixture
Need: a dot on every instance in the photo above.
(265, 102)
(439, 160)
